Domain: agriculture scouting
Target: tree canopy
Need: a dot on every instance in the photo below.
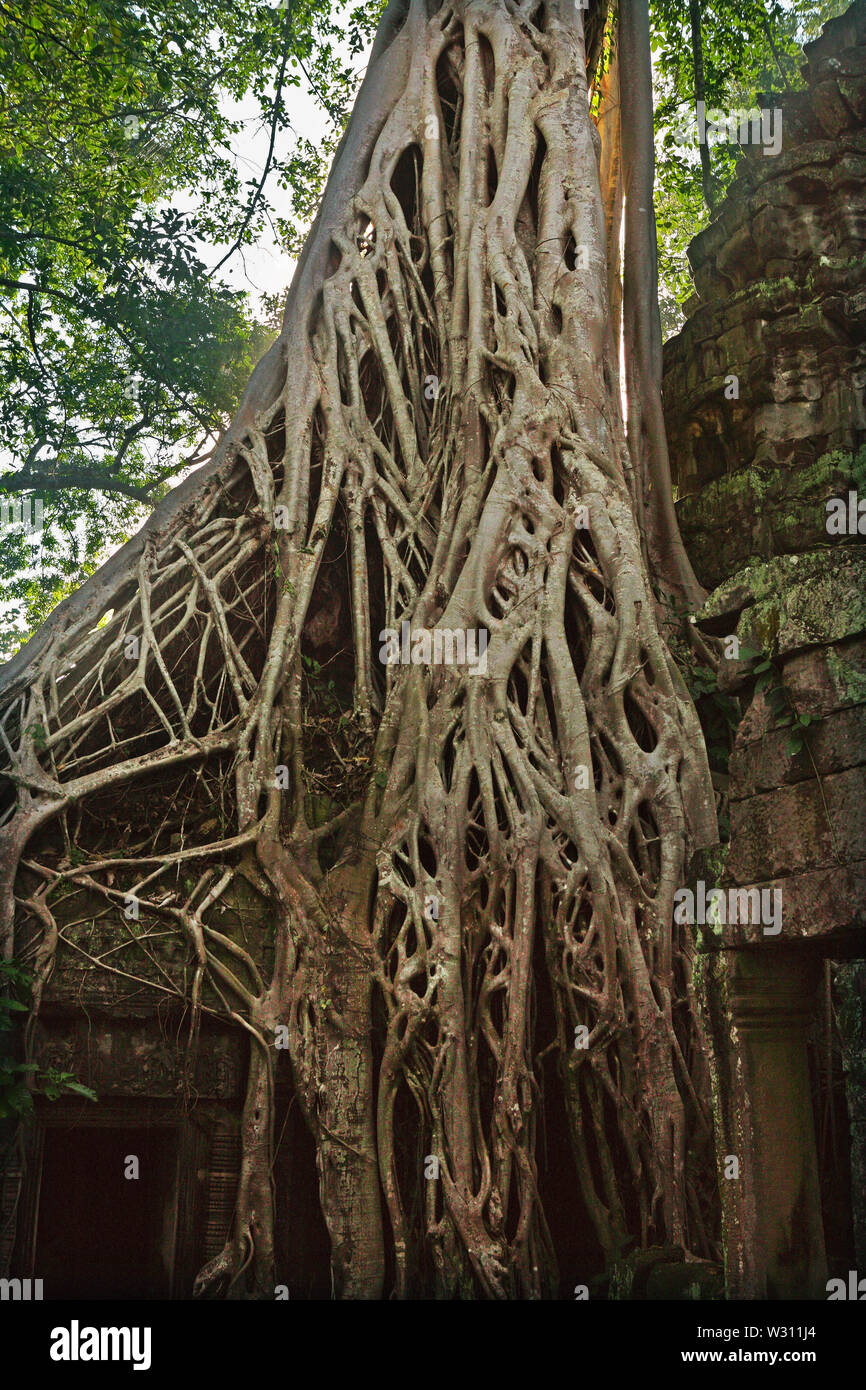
(123, 349)
(726, 53)
(125, 196)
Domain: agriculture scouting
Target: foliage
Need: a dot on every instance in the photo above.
(123, 353)
(720, 714)
(124, 191)
(16, 1092)
(778, 700)
(751, 52)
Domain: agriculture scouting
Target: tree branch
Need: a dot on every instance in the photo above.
(92, 478)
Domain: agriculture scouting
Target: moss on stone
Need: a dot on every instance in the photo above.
(766, 510)
(846, 678)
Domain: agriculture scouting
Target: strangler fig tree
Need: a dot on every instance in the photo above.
(436, 439)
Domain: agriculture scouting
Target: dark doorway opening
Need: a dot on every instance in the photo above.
(301, 1246)
(101, 1234)
(578, 1253)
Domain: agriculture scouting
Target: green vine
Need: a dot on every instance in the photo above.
(779, 703)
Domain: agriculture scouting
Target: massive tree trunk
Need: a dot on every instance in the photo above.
(436, 439)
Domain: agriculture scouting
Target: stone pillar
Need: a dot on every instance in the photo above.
(851, 992)
(773, 1210)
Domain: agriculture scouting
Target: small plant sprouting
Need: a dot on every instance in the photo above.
(783, 710)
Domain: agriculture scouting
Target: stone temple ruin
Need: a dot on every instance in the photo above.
(779, 317)
(765, 397)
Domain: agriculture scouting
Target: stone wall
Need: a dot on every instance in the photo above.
(765, 387)
(766, 415)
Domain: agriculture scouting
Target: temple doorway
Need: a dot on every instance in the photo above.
(107, 1210)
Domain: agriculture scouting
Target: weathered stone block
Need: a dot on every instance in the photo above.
(800, 827)
(826, 906)
(834, 678)
(833, 745)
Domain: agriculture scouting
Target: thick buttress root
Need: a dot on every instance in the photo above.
(437, 440)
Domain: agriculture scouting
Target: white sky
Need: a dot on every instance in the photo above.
(264, 267)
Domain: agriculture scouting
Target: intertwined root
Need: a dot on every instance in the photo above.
(436, 439)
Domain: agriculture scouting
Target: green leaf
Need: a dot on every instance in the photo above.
(79, 1090)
